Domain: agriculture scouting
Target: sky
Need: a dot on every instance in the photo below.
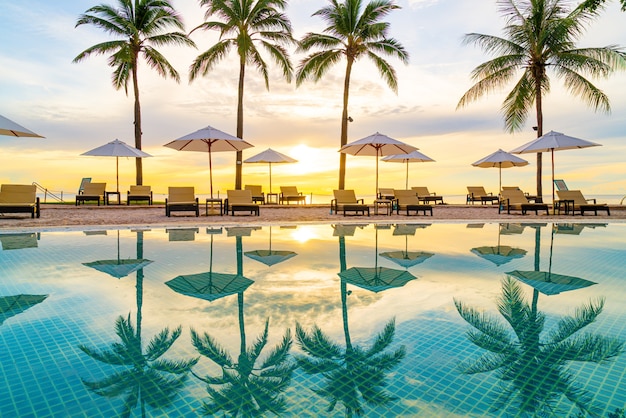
(76, 108)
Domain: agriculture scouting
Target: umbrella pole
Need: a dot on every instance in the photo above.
(210, 171)
(499, 177)
(117, 174)
(270, 177)
(407, 175)
(553, 208)
(376, 194)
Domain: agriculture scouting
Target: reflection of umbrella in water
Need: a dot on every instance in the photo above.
(118, 267)
(13, 305)
(270, 257)
(547, 282)
(209, 285)
(117, 149)
(270, 156)
(407, 258)
(376, 279)
(499, 254)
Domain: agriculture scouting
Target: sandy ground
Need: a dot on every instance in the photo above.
(61, 216)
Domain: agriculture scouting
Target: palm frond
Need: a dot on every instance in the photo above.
(280, 353)
(583, 316)
(208, 347)
(208, 59)
(161, 343)
(316, 343)
(483, 322)
(174, 366)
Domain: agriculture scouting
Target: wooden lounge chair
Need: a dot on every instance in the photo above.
(425, 196)
(290, 194)
(91, 192)
(240, 201)
(19, 198)
(515, 199)
(530, 197)
(384, 193)
(478, 194)
(139, 194)
(181, 199)
(345, 201)
(257, 193)
(575, 200)
(84, 181)
(408, 200)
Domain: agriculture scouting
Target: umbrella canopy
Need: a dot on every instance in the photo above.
(119, 267)
(500, 254)
(117, 148)
(10, 128)
(209, 140)
(550, 142)
(412, 157)
(270, 257)
(550, 283)
(500, 159)
(376, 279)
(270, 156)
(377, 145)
(209, 285)
(13, 305)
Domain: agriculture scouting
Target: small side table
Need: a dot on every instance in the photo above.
(213, 201)
(107, 197)
(271, 198)
(564, 204)
(385, 203)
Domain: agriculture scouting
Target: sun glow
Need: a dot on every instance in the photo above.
(304, 233)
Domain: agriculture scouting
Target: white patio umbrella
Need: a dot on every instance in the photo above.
(500, 159)
(550, 142)
(412, 157)
(270, 156)
(10, 128)
(377, 145)
(209, 140)
(117, 148)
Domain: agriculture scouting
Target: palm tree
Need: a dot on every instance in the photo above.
(540, 36)
(534, 369)
(594, 4)
(138, 27)
(355, 31)
(245, 25)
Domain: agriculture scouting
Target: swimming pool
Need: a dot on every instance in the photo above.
(360, 318)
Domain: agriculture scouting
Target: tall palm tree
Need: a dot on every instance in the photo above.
(534, 369)
(138, 27)
(355, 31)
(540, 38)
(246, 25)
(594, 4)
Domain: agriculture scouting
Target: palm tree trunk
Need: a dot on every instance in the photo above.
(238, 166)
(344, 125)
(138, 162)
(539, 109)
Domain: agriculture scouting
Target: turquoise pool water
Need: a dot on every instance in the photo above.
(361, 319)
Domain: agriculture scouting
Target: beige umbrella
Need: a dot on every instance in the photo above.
(500, 159)
(209, 140)
(10, 128)
(550, 142)
(412, 157)
(270, 156)
(377, 145)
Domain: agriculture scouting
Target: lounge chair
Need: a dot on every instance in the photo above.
(579, 203)
(425, 196)
(528, 195)
(181, 199)
(91, 192)
(478, 194)
(385, 193)
(515, 199)
(257, 193)
(408, 200)
(84, 181)
(240, 201)
(290, 194)
(19, 198)
(560, 184)
(345, 201)
(139, 194)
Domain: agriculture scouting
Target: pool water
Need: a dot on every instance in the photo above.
(411, 320)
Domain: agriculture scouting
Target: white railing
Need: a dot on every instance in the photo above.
(47, 193)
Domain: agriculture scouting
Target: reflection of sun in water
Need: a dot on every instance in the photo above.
(304, 233)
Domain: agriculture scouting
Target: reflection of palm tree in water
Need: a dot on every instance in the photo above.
(147, 379)
(245, 388)
(355, 374)
(533, 369)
